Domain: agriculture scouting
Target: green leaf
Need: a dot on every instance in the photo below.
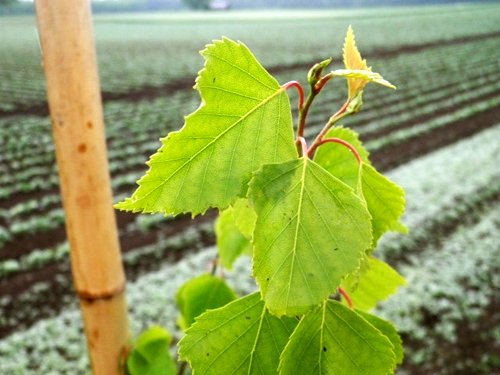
(233, 229)
(239, 338)
(200, 294)
(231, 243)
(339, 160)
(311, 231)
(244, 216)
(375, 282)
(150, 355)
(385, 200)
(244, 122)
(334, 339)
(387, 329)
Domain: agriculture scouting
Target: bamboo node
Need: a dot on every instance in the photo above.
(90, 297)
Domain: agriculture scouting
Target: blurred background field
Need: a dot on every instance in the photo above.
(438, 135)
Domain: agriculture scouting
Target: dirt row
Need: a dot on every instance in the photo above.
(385, 158)
(51, 275)
(184, 83)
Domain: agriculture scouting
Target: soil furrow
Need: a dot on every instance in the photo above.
(384, 159)
(184, 83)
(395, 155)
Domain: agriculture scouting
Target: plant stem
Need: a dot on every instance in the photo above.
(303, 113)
(341, 113)
(300, 91)
(214, 263)
(322, 82)
(339, 141)
(315, 90)
(302, 146)
(346, 296)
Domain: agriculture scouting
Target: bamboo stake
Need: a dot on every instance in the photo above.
(69, 60)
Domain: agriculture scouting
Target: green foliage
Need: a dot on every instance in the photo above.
(334, 339)
(234, 229)
(239, 338)
(200, 294)
(338, 160)
(374, 282)
(389, 331)
(243, 106)
(384, 199)
(310, 217)
(150, 355)
(311, 231)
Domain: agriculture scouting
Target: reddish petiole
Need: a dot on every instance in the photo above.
(346, 296)
(300, 91)
(312, 150)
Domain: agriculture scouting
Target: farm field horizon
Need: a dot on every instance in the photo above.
(437, 135)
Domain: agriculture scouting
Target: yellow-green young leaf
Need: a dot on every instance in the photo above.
(150, 354)
(365, 76)
(375, 281)
(339, 160)
(334, 339)
(387, 329)
(385, 201)
(200, 294)
(311, 230)
(239, 338)
(244, 122)
(354, 63)
(231, 242)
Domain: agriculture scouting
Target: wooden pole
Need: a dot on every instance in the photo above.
(69, 59)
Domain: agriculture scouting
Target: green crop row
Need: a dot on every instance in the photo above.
(125, 153)
(417, 81)
(426, 83)
(436, 123)
(128, 62)
(124, 158)
(437, 274)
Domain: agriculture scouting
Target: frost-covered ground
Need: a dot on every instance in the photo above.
(451, 276)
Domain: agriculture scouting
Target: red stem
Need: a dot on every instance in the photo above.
(346, 296)
(322, 82)
(337, 116)
(300, 90)
(213, 264)
(339, 141)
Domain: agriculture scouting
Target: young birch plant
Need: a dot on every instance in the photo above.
(310, 216)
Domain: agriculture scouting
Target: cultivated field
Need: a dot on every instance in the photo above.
(438, 135)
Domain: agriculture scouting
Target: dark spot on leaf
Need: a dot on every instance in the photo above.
(213, 81)
(324, 348)
(267, 278)
(208, 354)
(247, 317)
(336, 249)
(310, 274)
